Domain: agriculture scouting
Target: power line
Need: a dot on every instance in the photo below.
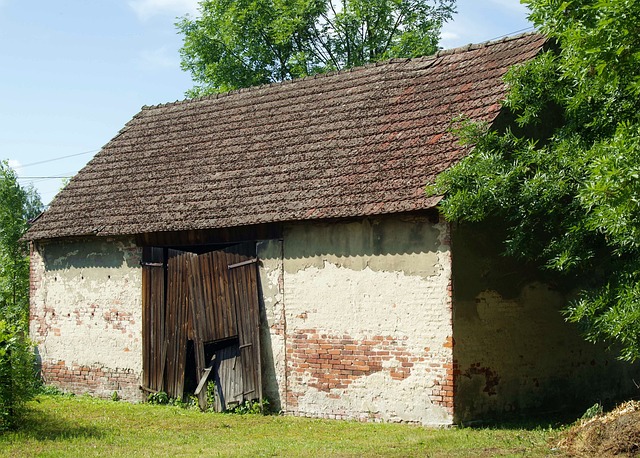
(526, 29)
(40, 178)
(67, 174)
(59, 158)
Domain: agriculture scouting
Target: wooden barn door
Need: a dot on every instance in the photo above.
(243, 281)
(226, 317)
(210, 299)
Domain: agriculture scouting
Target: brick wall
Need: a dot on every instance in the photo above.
(356, 320)
(332, 363)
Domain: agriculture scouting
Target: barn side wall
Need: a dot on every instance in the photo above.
(355, 318)
(514, 352)
(368, 332)
(86, 315)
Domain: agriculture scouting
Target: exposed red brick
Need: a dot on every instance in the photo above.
(95, 380)
(346, 359)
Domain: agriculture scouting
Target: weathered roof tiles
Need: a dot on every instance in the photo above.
(354, 143)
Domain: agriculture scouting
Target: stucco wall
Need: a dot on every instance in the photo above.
(368, 322)
(514, 351)
(86, 315)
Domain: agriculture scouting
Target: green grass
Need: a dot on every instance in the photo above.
(57, 426)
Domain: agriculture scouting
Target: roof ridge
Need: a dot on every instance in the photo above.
(391, 61)
(329, 74)
(484, 44)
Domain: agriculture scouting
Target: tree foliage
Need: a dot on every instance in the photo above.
(565, 178)
(17, 381)
(242, 43)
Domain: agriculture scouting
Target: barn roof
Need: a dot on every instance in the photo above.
(354, 143)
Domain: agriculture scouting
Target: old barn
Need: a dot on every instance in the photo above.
(278, 241)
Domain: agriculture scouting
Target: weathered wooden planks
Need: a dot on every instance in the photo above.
(243, 282)
(200, 298)
(228, 377)
(176, 322)
(211, 295)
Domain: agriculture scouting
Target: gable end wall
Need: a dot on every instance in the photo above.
(515, 352)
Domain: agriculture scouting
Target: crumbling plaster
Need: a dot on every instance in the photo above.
(86, 310)
(272, 322)
(377, 291)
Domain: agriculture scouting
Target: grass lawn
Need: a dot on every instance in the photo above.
(82, 426)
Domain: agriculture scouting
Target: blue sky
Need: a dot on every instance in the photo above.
(75, 71)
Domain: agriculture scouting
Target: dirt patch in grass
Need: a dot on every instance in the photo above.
(614, 434)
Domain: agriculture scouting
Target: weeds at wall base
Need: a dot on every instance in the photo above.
(252, 407)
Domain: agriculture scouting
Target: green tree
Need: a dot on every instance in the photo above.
(565, 177)
(17, 381)
(17, 206)
(242, 43)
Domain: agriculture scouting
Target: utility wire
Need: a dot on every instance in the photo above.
(59, 158)
(68, 174)
(526, 29)
(40, 178)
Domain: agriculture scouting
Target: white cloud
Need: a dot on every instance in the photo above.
(461, 32)
(145, 9)
(159, 58)
(451, 37)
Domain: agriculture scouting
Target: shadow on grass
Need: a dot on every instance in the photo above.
(526, 422)
(45, 426)
(535, 420)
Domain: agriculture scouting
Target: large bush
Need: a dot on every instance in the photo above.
(17, 375)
